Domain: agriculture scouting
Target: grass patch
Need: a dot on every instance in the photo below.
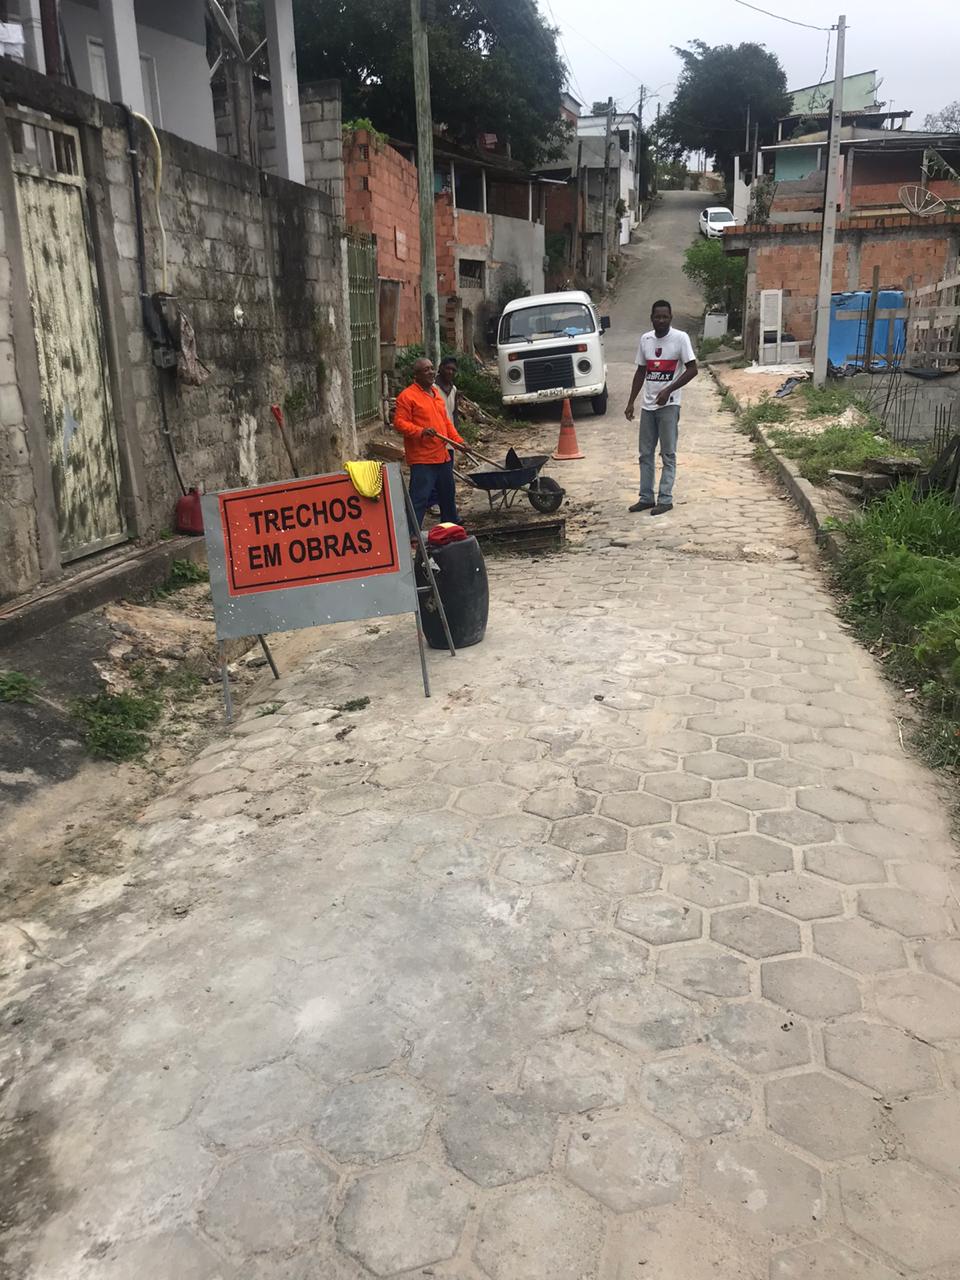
(270, 709)
(830, 401)
(183, 573)
(115, 726)
(901, 569)
(353, 704)
(836, 448)
(17, 687)
(765, 412)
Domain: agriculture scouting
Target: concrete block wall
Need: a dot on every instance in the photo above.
(255, 262)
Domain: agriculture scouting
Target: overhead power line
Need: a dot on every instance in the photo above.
(779, 16)
(609, 56)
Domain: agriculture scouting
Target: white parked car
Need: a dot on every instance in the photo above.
(550, 347)
(715, 220)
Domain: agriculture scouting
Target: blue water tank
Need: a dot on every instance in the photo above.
(848, 329)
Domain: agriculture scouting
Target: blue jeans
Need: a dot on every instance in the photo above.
(431, 481)
(661, 425)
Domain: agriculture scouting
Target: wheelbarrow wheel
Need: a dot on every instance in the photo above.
(545, 495)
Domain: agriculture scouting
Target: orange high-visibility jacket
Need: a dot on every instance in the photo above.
(416, 411)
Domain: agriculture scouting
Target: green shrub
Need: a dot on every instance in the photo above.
(837, 448)
(114, 726)
(719, 276)
(17, 687)
(472, 378)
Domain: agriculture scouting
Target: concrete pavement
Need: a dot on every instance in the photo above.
(631, 953)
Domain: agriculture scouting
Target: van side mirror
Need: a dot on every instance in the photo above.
(604, 323)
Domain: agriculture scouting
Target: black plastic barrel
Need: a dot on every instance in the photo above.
(461, 576)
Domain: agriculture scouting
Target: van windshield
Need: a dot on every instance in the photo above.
(549, 320)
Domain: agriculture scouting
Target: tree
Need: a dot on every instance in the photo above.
(714, 90)
(719, 275)
(945, 121)
(494, 66)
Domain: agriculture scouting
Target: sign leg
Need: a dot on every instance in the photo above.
(269, 656)
(423, 654)
(225, 684)
(415, 524)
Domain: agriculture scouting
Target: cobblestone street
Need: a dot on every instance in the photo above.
(630, 955)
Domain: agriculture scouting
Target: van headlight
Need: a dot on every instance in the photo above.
(515, 374)
(584, 366)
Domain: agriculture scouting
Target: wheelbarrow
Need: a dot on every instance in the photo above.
(502, 483)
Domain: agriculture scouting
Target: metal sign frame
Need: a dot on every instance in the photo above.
(256, 610)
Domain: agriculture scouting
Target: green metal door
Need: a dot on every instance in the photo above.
(364, 327)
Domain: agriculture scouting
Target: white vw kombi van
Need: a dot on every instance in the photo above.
(550, 347)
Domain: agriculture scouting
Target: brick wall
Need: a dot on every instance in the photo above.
(910, 252)
(256, 264)
(381, 197)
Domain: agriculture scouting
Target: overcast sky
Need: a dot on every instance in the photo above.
(913, 48)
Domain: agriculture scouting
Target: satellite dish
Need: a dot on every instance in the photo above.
(920, 201)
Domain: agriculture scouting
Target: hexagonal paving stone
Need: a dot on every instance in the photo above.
(489, 799)
(809, 987)
(787, 773)
(926, 879)
(862, 783)
(403, 1216)
(931, 1131)
(754, 931)
(684, 742)
(759, 1037)
(715, 764)
(703, 971)
(767, 1189)
(715, 725)
(708, 884)
(564, 1074)
(924, 1005)
(713, 817)
(943, 959)
(696, 1094)
(858, 945)
(647, 1020)
(622, 873)
(626, 1162)
(669, 845)
(755, 854)
(494, 1139)
(838, 806)
(658, 919)
(846, 865)
(795, 827)
(829, 1119)
(750, 793)
(543, 1230)
(539, 864)
(559, 802)
(800, 896)
(607, 777)
(589, 835)
(269, 1103)
(882, 1058)
(749, 747)
(904, 912)
(268, 1200)
(371, 1120)
(168, 1253)
(635, 808)
(906, 1212)
(827, 1260)
(911, 819)
(677, 786)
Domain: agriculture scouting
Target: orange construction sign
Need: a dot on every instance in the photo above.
(303, 533)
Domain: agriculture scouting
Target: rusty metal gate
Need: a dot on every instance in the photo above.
(64, 298)
(364, 327)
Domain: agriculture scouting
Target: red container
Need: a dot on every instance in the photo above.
(189, 516)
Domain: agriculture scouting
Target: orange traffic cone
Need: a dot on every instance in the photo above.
(567, 448)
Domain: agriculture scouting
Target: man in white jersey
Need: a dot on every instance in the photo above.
(665, 363)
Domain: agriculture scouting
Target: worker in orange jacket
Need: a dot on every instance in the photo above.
(421, 418)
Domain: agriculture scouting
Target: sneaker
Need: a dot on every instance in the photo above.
(641, 506)
(662, 508)
(433, 511)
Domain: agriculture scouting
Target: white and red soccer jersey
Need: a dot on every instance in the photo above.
(664, 359)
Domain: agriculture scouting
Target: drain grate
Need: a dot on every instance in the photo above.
(524, 539)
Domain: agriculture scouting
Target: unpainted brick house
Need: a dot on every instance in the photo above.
(110, 238)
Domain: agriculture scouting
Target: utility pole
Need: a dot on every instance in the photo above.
(638, 157)
(428, 236)
(605, 199)
(829, 233)
(656, 157)
(746, 140)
